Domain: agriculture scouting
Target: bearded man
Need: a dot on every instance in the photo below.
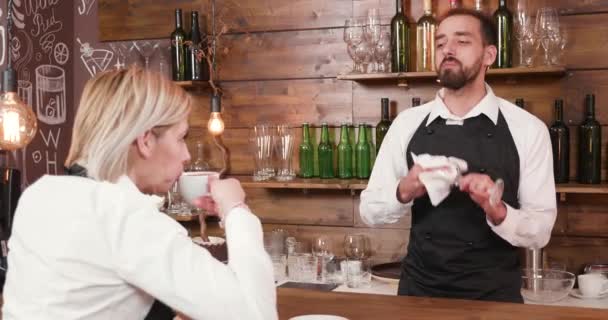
(466, 246)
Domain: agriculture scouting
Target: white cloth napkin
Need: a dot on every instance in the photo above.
(438, 183)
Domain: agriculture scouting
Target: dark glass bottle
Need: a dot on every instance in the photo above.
(306, 153)
(400, 40)
(504, 27)
(560, 141)
(384, 124)
(193, 63)
(178, 36)
(415, 101)
(345, 154)
(362, 151)
(590, 144)
(519, 102)
(326, 154)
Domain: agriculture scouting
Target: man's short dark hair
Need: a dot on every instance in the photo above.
(486, 24)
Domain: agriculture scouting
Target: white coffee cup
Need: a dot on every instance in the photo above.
(592, 284)
(193, 185)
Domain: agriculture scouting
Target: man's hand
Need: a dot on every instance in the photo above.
(478, 186)
(410, 186)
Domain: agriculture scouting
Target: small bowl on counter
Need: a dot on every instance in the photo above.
(216, 246)
(546, 285)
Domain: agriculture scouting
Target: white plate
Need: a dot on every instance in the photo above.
(577, 294)
(318, 317)
(385, 280)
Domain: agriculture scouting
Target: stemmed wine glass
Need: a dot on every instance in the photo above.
(146, 49)
(523, 31)
(356, 246)
(457, 169)
(547, 30)
(383, 50)
(353, 37)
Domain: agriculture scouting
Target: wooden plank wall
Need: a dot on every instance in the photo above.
(282, 60)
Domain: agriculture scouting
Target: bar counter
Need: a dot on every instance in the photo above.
(355, 306)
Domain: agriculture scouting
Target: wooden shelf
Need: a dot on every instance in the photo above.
(358, 184)
(404, 77)
(299, 183)
(582, 188)
(192, 84)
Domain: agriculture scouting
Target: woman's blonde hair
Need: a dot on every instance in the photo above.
(115, 108)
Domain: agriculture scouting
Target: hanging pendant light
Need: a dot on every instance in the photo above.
(18, 124)
(216, 124)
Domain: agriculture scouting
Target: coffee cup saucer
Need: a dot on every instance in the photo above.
(577, 294)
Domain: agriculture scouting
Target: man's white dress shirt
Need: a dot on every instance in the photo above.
(530, 226)
(82, 249)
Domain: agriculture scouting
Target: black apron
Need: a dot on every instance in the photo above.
(452, 252)
(158, 311)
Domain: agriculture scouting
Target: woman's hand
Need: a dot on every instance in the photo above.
(225, 195)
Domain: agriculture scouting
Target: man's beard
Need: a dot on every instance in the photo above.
(455, 79)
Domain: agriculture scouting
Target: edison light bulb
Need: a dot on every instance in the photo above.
(215, 124)
(18, 124)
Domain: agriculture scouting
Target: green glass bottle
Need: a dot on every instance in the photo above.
(306, 153)
(384, 124)
(425, 40)
(345, 154)
(178, 55)
(400, 40)
(362, 151)
(560, 141)
(326, 154)
(590, 145)
(504, 25)
(352, 138)
(372, 147)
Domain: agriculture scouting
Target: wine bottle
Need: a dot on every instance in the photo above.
(504, 27)
(372, 147)
(306, 153)
(415, 101)
(520, 102)
(326, 154)
(178, 37)
(193, 63)
(345, 154)
(425, 40)
(478, 5)
(384, 124)
(560, 142)
(362, 152)
(455, 4)
(400, 40)
(590, 143)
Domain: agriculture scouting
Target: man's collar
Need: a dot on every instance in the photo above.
(489, 106)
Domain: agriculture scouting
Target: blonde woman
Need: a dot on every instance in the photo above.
(96, 247)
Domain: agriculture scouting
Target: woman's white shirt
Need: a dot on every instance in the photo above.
(82, 249)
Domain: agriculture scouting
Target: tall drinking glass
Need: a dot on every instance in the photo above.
(284, 141)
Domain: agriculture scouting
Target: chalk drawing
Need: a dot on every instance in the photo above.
(85, 6)
(18, 16)
(50, 94)
(95, 60)
(61, 53)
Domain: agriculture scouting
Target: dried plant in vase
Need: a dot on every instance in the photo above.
(212, 49)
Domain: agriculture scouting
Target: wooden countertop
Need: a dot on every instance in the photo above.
(354, 306)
